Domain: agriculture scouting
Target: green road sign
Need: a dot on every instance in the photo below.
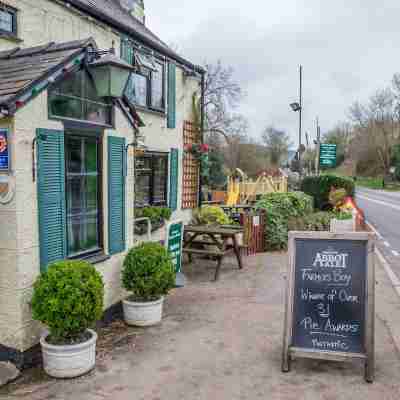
(327, 155)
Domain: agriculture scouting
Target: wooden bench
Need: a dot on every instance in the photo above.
(218, 238)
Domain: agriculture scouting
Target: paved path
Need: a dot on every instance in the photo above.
(222, 341)
(382, 210)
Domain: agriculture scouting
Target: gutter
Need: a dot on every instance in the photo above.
(128, 30)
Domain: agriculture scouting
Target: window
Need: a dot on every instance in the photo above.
(151, 180)
(146, 88)
(83, 194)
(76, 98)
(8, 20)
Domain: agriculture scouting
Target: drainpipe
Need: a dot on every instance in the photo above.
(202, 127)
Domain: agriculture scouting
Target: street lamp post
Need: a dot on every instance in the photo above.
(298, 107)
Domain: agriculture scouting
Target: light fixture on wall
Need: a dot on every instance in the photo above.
(110, 73)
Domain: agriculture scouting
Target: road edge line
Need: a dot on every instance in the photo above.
(394, 280)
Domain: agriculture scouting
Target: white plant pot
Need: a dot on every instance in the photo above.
(143, 314)
(347, 225)
(69, 361)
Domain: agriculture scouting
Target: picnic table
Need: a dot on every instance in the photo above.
(199, 238)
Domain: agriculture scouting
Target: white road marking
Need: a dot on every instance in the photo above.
(389, 272)
(387, 244)
(384, 203)
(395, 253)
(374, 230)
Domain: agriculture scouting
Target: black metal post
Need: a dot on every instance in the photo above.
(300, 113)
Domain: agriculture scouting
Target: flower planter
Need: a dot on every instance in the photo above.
(143, 313)
(69, 361)
(141, 228)
(347, 225)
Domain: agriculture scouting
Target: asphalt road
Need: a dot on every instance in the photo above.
(382, 210)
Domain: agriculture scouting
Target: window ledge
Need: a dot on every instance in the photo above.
(150, 111)
(97, 258)
(11, 37)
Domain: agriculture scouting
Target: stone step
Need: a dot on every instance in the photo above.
(8, 372)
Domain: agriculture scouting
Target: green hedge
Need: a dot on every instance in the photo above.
(280, 207)
(319, 188)
(319, 221)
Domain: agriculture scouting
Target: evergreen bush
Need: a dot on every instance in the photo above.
(319, 187)
(211, 215)
(280, 207)
(148, 272)
(68, 298)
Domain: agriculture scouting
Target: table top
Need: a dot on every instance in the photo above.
(215, 230)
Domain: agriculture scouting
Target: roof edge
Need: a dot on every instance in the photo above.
(121, 27)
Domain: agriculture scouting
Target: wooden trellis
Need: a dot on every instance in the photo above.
(190, 184)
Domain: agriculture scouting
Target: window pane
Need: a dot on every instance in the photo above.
(74, 156)
(160, 179)
(136, 90)
(91, 155)
(142, 191)
(6, 21)
(76, 98)
(82, 195)
(98, 113)
(72, 85)
(143, 181)
(157, 87)
(62, 106)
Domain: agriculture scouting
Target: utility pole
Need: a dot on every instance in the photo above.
(318, 144)
(300, 113)
(310, 160)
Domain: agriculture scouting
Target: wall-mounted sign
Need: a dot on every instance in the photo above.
(4, 150)
(330, 298)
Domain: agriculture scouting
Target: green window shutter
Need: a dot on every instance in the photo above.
(127, 51)
(51, 196)
(173, 179)
(171, 117)
(116, 194)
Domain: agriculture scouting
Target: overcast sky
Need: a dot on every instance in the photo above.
(348, 49)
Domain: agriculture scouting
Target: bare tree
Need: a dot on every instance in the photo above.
(376, 125)
(277, 143)
(222, 96)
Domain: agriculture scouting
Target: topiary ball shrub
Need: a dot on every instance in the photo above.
(211, 215)
(319, 188)
(68, 298)
(148, 272)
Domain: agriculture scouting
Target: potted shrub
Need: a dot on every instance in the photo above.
(148, 274)
(344, 221)
(68, 299)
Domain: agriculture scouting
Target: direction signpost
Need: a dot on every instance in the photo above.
(327, 155)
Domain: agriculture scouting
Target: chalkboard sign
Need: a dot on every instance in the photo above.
(330, 293)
